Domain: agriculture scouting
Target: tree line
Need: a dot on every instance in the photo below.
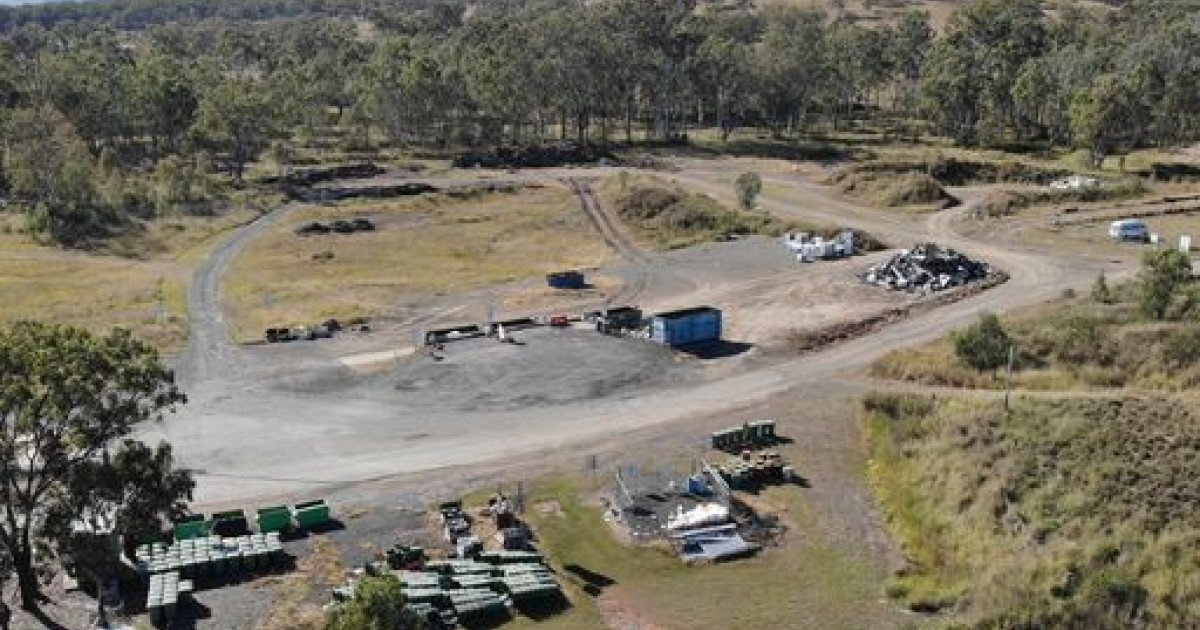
(112, 110)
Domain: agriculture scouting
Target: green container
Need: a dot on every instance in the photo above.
(274, 519)
(189, 527)
(311, 514)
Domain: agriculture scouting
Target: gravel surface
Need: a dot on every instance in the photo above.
(544, 367)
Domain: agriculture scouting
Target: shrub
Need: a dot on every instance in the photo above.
(1100, 291)
(378, 604)
(984, 345)
(749, 186)
(1182, 347)
(1163, 273)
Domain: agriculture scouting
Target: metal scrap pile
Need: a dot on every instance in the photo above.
(926, 267)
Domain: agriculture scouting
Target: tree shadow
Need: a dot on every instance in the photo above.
(593, 583)
(300, 533)
(189, 615)
(485, 622)
(543, 609)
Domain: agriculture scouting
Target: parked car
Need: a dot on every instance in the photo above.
(559, 321)
(1129, 230)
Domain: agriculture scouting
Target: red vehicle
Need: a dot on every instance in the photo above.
(559, 321)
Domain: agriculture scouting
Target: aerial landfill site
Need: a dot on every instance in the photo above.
(599, 314)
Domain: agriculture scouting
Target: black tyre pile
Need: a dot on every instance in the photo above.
(313, 176)
(336, 227)
(534, 156)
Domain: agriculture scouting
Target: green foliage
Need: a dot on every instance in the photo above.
(237, 117)
(377, 604)
(65, 397)
(984, 345)
(1164, 273)
(749, 186)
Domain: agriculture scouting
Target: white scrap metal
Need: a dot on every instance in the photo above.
(703, 515)
(810, 247)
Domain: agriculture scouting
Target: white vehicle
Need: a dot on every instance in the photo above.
(1075, 182)
(1129, 230)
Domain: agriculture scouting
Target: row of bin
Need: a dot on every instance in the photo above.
(749, 435)
(279, 518)
(211, 557)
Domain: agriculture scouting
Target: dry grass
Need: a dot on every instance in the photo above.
(425, 247)
(1062, 513)
(1072, 344)
(138, 281)
(294, 606)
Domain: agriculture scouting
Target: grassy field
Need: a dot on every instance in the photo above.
(138, 280)
(424, 247)
(1059, 513)
(807, 582)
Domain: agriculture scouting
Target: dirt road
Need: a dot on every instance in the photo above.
(248, 439)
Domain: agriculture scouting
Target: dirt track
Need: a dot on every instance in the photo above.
(248, 438)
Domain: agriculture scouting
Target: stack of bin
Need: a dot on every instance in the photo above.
(311, 514)
(274, 519)
(477, 581)
(762, 432)
(531, 586)
(211, 557)
(459, 567)
(420, 580)
(477, 603)
(404, 556)
(165, 594)
(510, 557)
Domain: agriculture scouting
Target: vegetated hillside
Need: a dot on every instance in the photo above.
(1066, 514)
(669, 217)
(1104, 340)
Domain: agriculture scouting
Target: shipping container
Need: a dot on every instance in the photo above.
(689, 326)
